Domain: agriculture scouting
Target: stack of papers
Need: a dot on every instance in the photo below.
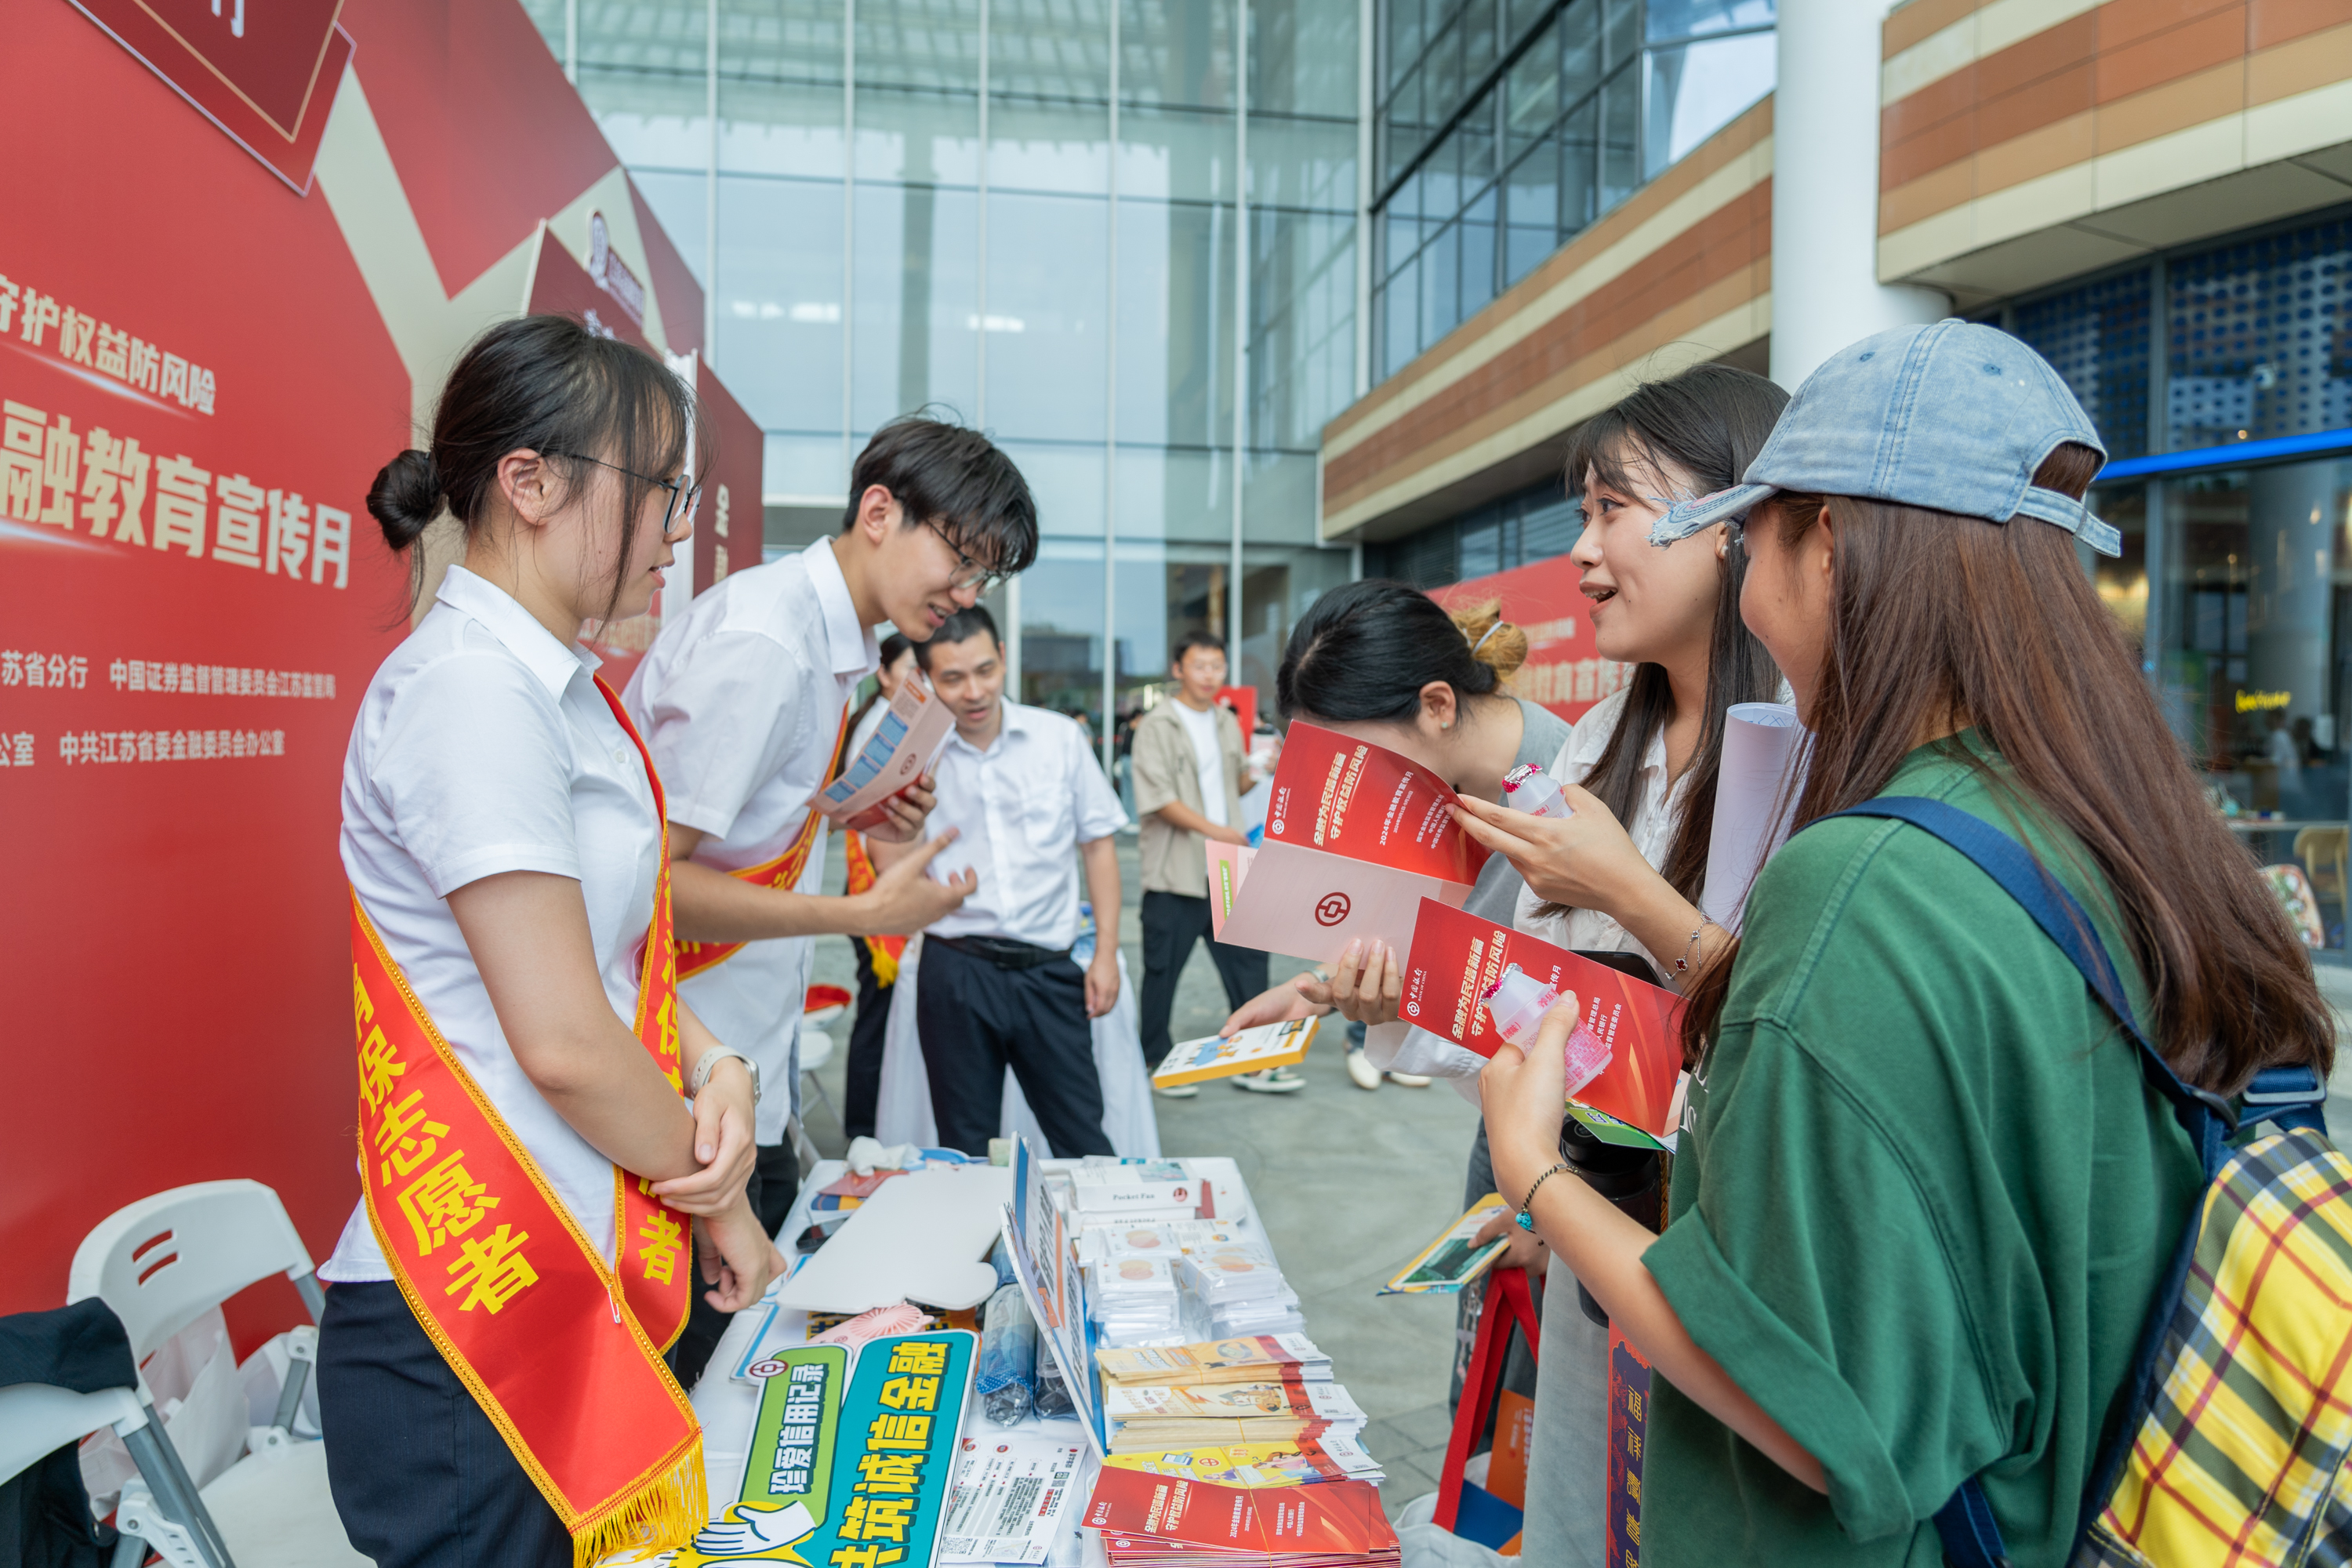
(1148, 1522)
(1243, 1290)
(1245, 1360)
(1136, 1302)
(1302, 1461)
(1144, 1417)
(1145, 1190)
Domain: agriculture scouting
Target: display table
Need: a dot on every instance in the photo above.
(728, 1407)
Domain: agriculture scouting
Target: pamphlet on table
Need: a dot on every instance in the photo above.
(1149, 1520)
(1356, 836)
(1457, 958)
(1011, 1498)
(1299, 1461)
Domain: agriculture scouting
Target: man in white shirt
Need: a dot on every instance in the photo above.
(1190, 770)
(743, 700)
(996, 986)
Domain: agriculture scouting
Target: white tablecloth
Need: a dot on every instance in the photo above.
(727, 1408)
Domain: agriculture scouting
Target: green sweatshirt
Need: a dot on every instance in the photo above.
(1921, 1204)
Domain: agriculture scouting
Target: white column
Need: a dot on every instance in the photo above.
(1241, 330)
(1825, 286)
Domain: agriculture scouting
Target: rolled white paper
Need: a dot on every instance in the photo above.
(1755, 794)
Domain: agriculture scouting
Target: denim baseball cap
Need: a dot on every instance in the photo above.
(1953, 416)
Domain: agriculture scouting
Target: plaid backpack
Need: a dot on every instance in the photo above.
(2237, 1449)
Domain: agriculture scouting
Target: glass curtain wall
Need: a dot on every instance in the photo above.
(1506, 127)
(2221, 379)
(1029, 215)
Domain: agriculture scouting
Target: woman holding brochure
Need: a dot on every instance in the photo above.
(544, 1131)
(1640, 769)
(1922, 1195)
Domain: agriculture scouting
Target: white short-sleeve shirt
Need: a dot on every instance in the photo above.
(1657, 811)
(481, 746)
(740, 701)
(1208, 759)
(1023, 806)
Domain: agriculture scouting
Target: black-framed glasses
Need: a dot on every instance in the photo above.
(969, 573)
(682, 495)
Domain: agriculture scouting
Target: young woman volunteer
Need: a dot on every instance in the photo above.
(1923, 1194)
(490, 1366)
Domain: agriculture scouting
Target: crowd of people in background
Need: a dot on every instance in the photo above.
(1922, 1191)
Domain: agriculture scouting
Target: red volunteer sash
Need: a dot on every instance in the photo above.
(882, 951)
(559, 1346)
(784, 872)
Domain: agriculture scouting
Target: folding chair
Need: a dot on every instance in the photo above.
(160, 1264)
(36, 1418)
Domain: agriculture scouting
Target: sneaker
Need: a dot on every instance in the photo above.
(1410, 1080)
(1360, 1072)
(1274, 1080)
(1177, 1090)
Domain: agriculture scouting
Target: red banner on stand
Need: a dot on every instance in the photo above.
(204, 359)
(1564, 671)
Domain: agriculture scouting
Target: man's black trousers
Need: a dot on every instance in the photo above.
(977, 1020)
(1171, 924)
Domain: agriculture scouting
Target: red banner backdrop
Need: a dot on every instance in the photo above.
(248, 252)
(1564, 671)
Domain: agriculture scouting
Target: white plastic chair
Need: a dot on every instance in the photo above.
(161, 1263)
(36, 1418)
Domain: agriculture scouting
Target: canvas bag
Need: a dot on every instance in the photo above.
(2235, 1449)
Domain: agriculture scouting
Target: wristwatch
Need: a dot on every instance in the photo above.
(710, 1059)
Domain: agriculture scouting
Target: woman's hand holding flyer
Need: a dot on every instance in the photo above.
(1584, 860)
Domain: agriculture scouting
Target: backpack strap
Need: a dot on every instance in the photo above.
(2288, 1096)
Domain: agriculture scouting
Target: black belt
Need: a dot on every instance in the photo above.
(1002, 951)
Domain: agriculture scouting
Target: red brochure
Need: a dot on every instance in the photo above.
(1350, 797)
(1456, 956)
(1356, 838)
(1145, 1517)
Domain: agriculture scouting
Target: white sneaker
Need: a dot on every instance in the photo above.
(1410, 1080)
(1360, 1072)
(1177, 1090)
(1274, 1080)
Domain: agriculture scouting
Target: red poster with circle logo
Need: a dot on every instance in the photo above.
(246, 242)
(1356, 836)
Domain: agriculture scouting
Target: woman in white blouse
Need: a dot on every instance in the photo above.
(1623, 874)
(490, 1376)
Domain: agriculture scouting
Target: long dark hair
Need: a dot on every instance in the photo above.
(1939, 620)
(1711, 421)
(550, 385)
(893, 647)
(1362, 654)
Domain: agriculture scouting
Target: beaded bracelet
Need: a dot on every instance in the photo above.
(1526, 1221)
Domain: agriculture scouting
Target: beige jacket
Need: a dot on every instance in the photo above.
(1164, 770)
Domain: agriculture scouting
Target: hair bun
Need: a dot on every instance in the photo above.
(405, 498)
(1494, 642)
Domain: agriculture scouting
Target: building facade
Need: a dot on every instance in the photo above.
(1030, 216)
(2159, 197)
